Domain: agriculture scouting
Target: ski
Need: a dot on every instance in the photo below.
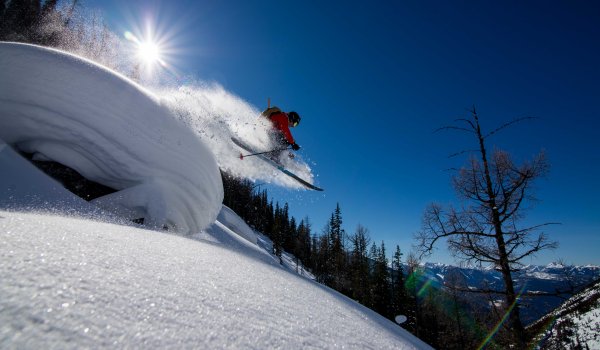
(276, 165)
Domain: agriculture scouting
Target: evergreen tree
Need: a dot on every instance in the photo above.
(291, 236)
(358, 266)
(277, 233)
(381, 282)
(324, 261)
(302, 248)
(314, 254)
(398, 290)
(337, 256)
(305, 241)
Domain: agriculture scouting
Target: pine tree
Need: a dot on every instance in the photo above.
(291, 236)
(398, 290)
(337, 256)
(359, 266)
(323, 270)
(277, 233)
(381, 283)
(302, 249)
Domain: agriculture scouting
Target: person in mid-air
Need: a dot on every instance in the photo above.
(282, 122)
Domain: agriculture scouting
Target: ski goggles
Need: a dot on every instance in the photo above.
(294, 124)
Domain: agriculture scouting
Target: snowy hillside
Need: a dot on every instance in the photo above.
(73, 283)
(573, 325)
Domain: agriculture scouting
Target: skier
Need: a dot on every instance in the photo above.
(282, 122)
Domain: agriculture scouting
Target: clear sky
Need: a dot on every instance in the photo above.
(373, 80)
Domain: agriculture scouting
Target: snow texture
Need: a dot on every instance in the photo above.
(70, 283)
(236, 223)
(70, 110)
(576, 323)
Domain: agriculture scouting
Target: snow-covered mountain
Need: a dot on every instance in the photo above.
(573, 325)
(79, 274)
(531, 279)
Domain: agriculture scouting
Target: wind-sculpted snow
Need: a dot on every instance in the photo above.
(216, 115)
(70, 110)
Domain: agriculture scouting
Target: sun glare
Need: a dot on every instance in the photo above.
(153, 50)
(149, 52)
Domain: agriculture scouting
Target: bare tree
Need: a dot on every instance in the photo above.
(484, 229)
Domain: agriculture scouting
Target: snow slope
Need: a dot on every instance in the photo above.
(573, 325)
(73, 283)
(70, 110)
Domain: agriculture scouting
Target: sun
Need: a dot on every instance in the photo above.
(153, 50)
(149, 52)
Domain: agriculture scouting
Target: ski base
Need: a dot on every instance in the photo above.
(276, 165)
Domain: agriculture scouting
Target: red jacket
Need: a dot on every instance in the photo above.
(280, 122)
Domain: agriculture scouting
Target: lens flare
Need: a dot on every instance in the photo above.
(547, 332)
(496, 328)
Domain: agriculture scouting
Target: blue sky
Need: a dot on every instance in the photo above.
(373, 80)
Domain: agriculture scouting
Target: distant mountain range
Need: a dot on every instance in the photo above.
(553, 278)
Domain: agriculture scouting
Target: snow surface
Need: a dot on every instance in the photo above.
(70, 110)
(74, 283)
(587, 326)
(576, 322)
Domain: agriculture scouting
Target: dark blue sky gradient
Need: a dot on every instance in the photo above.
(372, 80)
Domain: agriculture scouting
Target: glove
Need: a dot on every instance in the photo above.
(295, 146)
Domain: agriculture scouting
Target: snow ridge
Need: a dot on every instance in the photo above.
(70, 110)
